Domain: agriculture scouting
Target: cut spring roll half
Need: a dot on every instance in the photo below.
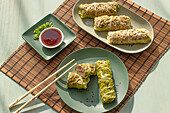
(75, 80)
(80, 78)
(98, 9)
(105, 81)
(112, 23)
(85, 69)
(131, 36)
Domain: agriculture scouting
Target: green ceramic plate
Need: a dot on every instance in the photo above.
(89, 100)
(47, 53)
(136, 22)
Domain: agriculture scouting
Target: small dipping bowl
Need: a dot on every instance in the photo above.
(51, 37)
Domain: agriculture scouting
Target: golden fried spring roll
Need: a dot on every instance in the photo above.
(98, 9)
(112, 23)
(105, 81)
(131, 36)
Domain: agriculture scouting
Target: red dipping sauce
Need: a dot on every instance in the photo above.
(51, 37)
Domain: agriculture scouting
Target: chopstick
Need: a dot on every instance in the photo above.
(34, 88)
(39, 93)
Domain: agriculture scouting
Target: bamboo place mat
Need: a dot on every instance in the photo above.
(28, 68)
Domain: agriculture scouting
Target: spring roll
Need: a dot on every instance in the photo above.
(105, 81)
(85, 69)
(112, 23)
(98, 9)
(131, 36)
(80, 78)
(75, 80)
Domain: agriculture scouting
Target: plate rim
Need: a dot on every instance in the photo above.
(113, 46)
(48, 58)
(127, 75)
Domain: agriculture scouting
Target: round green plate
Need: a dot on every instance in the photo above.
(89, 100)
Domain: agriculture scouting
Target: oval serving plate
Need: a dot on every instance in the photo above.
(89, 100)
(136, 22)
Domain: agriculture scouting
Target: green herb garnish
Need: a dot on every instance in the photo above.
(41, 28)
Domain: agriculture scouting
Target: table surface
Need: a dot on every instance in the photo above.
(16, 16)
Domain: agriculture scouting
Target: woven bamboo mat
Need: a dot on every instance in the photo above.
(28, 68)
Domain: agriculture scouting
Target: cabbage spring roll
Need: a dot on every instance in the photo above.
(131, 36)
(98, 9)
(75, 80)
(105, 81)
(80, 78)
(85, 69)
(112, 23)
